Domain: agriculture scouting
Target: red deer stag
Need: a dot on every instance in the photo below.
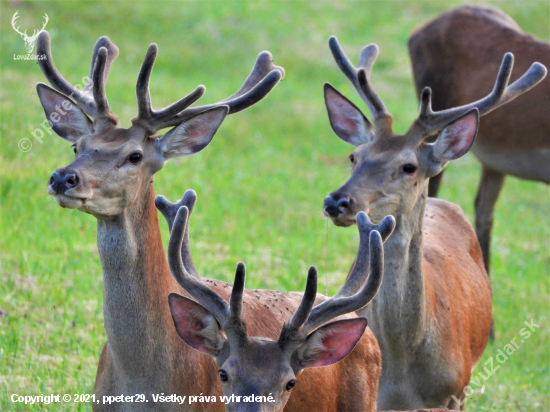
(111, 178)
(288, 333)
(457, 55)
(433, 313)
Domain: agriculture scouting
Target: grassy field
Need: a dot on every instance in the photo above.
(261, 183)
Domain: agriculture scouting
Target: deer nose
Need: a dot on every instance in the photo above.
(336, 207)
(61, 181)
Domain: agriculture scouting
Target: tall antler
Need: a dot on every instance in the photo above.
(169, 210)
(369, 255)
(360, 78)
(261, 80)
(502, 93)
(92, 99)
(229, 316)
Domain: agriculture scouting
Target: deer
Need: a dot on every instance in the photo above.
(432, 315)
(112, 178)
(456, 54)
(262, 340)
(29, 40)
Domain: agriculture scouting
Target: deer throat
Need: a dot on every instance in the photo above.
(397, 315)
(137, 282)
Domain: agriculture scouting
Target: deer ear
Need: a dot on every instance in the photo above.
(65, 117)
(196, 325)
(193, 135)
(347, 121)
(457, 138)
(330, 343)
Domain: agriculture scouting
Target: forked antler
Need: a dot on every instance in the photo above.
(261, 80)
(429, 120)
(360, 78)
(92, 99)
(169, 210)
(501, 94)
(370, 255)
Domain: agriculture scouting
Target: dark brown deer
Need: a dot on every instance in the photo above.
(294, 336)
(456, 55)
(432, 314)
(111, 178)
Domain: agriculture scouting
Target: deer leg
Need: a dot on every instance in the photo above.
(434, 183)
(487, 195)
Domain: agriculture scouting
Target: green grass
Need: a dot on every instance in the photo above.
(261, 183)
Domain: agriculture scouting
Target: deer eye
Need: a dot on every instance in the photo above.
(74, 149)
(290, 384)
(409, 168)
(351, 158)
(223, 375)
(135, 158)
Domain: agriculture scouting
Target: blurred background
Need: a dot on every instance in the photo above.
(260, 183)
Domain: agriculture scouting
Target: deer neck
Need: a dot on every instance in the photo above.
(398, 311)
(137, 282)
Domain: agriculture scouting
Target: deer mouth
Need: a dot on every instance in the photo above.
(70, 202)
(342, 221)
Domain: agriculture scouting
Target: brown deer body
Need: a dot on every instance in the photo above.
(432, 314)
(457, 55)
(256, 362)
(112, 179)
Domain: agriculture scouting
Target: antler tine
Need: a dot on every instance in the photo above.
(236, 330)
(104, 115)
(83, 98)
(501, 94)
(356, 278)
(142, 84)
(261, 80)
(262, 68)
(195, 287)
(306, 305)
(360, 78)
(147, 118)
(169, 210)
(337, 306)
(290, 332)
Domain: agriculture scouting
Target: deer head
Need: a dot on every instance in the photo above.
(390, 171)
(257, 365)
(29, 41)
(113, 166)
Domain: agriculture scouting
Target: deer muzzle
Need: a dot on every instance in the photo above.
(336, 207)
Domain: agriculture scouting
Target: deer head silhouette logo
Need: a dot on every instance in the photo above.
(30, 41)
